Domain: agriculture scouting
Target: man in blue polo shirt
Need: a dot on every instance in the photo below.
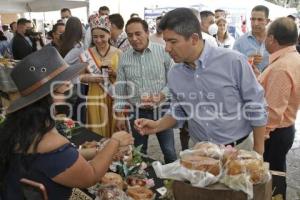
(212, 88)
(251, 44)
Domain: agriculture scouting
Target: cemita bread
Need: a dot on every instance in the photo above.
(247, 162)
(111, 192)
(140, 193)
(206, 164)
(256, 169)
(235, 167)
(111, 178)
(208, 149)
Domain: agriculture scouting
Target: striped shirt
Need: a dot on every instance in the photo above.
(140, 73)
(281, 81)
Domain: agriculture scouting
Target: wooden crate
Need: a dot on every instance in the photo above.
(218, 191)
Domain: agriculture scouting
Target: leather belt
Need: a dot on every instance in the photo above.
(239, 141)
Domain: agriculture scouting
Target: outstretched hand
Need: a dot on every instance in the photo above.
(146, 126)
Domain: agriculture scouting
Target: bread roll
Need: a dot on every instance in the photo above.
(243, 154)
(235, 167)
(135, 181)
(140, 193)
(124, 153)
(111, 178)
(111, 192)
(255, 168)
(201, 163)
(208, 149)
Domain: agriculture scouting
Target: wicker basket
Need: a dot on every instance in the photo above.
(77, 194)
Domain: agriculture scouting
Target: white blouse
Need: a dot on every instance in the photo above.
(227, 43)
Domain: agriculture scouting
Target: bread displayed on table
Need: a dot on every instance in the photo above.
(208, 149)
(140, 193)
(206, 164)
(111, 192)
(246, 162)
(124, 153)
(204, 156)
(111, 178)
(135, 181)
(235, 167)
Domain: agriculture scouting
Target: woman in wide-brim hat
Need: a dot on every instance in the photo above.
(31, 147)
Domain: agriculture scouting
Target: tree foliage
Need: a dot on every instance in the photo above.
(286, 3)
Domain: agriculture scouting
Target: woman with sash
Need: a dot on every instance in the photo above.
(103, 60)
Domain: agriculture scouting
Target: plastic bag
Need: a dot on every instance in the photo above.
(176, 171)
(207, 149)
(242, 169)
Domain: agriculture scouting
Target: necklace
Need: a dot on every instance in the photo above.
(105, 54)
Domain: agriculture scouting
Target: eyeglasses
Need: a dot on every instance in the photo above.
(258, 19)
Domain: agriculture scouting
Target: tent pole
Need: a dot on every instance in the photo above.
(88, 8)
(44, 23)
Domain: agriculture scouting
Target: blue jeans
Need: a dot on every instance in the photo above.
(165, 138)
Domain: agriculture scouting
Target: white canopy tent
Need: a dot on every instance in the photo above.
(22, 6)
(126, 7)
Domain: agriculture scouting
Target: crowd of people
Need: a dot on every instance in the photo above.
(190, 74)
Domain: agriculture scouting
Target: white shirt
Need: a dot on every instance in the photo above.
(227, 43)
(160, 40)
(210, 39)
(87, 38)
(9, 35)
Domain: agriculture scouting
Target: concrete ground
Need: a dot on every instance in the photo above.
(154, 150)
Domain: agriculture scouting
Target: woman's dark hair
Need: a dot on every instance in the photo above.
(24, 128)
(55, 26)
(71, 36)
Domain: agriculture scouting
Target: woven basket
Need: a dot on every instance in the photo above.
(77, 194)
